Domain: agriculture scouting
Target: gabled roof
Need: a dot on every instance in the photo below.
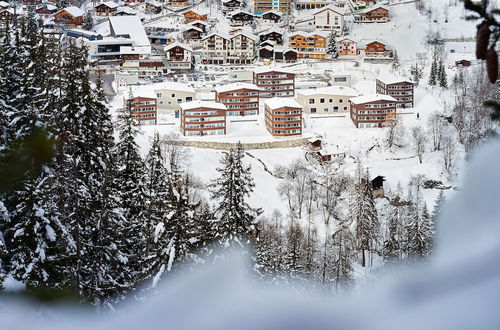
(202, 104)
(140, 91)
(367, 10)
(372, 98)
(269, 48)
(235, 86)
(281, 102)
(277, 13)
(346, 38)
(109, 4)
(73, 11)
(4, 4)
(191, 27)
(198, 22)
(389, 78)
(127, 10)
(222, 35)
(177, 44)
(239, 11)
(323, 34)
(47, 6)
(338, 10)
(198, 11)
(246, 34)
(154, 3)
(274, 29)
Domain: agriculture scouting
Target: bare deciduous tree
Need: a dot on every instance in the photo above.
(419, 141)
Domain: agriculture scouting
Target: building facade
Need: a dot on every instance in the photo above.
(240, 99)
(178, 56)
(171, 95)
(347, 47)
(309, 45)
(262, 6)
(283, 117)
(398, 87)
(326, 100)
(142, 101)
(330, 18)
(375, 110)
(378, 14)
(203, 118)
(273, 82)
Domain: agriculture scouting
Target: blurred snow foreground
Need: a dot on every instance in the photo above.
(458, 289)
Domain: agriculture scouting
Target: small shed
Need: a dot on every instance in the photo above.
(378, 186)
(462, 63)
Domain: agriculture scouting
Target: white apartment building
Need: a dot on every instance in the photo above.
(326, 100)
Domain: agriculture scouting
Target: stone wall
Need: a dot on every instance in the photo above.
(289, 143)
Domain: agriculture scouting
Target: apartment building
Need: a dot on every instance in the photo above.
(330, 18)
(274, 82)
(400, 88)
(309, 44)
(374, 110)
(222, 48)
(144, 105)
(262, 6)
(326, 100)
(283, 116)
(240, 99)
(171, 95)
(203, 118)
(347, 47)
(178, 56)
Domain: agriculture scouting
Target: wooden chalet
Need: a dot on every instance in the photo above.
(242, 17)
(272, 34)
(192, 33)
(178, 3)
(378, 14)
(107, 8)
(194, 15)
(231, 5)
(266, 52)
(462, 63)
(200, 24)
(46, 10)
(69, 16)
(271, 17)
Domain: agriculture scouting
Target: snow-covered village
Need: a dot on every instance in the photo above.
(196, 164)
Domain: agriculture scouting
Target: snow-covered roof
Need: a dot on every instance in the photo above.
(154, 3)
(345, 39)
(178, 44)
(127, 10)
(372, 98)
(367, 10)
(274, 28)
(222, 35)
(269, 48)
(339, 10)
(47, 6)
(281, 102)
(323, 34)
(192, 27)
(73, 11)
(140, 91)
(266, 69)
(239, 11)
(4, 4)
(275, 12)
(269, 42)
(174, 86)
(202, 104)
(109, 4)
(199, 11)
(198, 22)
(131, 26)
(235, 86)
(246, 34)
(330, 90)
(390, 78)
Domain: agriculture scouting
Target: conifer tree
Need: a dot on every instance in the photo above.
(342, 255)
(434, 71)
(418, 232)
(395, 61)
(88, 22)
(443, 80)
(393, 244)
(332, 48)
(231, 189)
(363, 214)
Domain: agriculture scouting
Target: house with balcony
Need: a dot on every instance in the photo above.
(374, 49)
(107, 8)
(326, 100)
(310, 45)
(242, 48)
(377, 14)
(283, 117)
(45, 10)
(240, 99)
(178, 3)
(240, 17)
(373, 110)
(347, 47)
(274, 82)
(274, 33)
(70, 17)
(178, 56)
(142, 101)
(194, 15)
(262, 6)
(199, 118)
(229, 6)
(271, 17)
(400, 88)
(215, 48)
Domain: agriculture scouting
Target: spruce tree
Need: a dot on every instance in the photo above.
(332, 49)
(363, 214)
(434, 71)
(393, 244)
(443, 80)
(418, 232)
(395, 61)
(231, 189)
(88, 22)
(342, 255)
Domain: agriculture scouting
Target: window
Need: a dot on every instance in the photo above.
(335, 109)
(311, 101)
(173, 95)
(330, 100)
(341, 101)
(325, 110)
(158, 95)
(189, 99)
(313, 110)
(345, 108)
(321, 100)
(179, 101)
